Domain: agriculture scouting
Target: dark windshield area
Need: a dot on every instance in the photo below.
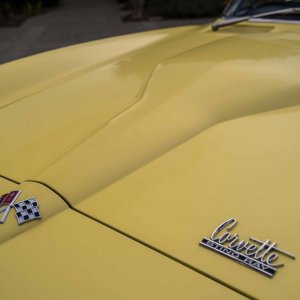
(240, 8)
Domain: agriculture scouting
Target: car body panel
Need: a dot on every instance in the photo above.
(31, 75)
(211, 87)
(163, 143)
(42, 126)
(246, 169)
(69, 256)
(59, 126)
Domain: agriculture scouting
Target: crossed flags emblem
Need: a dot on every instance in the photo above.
(26, 210)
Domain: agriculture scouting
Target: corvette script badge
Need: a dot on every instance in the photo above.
(26, 210)
(255, 254)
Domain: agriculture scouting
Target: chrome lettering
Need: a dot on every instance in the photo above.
(253, 253)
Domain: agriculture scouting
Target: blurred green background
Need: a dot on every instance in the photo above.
(25, 6)
(164, 8)
(184, 8)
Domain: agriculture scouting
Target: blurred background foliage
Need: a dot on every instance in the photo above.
(175, 8)
(13, 12)
(184, 8)
(28, 7)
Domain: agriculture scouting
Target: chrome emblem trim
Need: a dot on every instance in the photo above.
(26, 210)
(255, 254)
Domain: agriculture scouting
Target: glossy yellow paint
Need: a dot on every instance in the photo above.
(185, 95)
(68, 256)
(95, 88)
(163, 135)
(246, 169)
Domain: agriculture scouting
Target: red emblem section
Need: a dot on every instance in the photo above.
(7, 199)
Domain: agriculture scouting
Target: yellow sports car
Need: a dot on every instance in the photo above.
(159, 165)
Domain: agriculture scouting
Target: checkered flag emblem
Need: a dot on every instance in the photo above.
(27, 210)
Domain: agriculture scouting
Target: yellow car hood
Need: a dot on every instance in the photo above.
(163, 136)
(66, 255)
